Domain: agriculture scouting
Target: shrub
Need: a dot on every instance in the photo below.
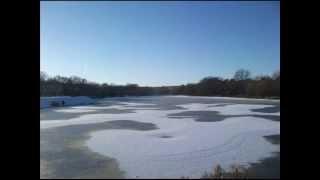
(237, 171)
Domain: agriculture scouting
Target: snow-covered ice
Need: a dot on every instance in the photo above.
(74, 110)
(190, 151)
(190, 147)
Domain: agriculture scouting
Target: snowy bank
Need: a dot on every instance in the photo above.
(46, 102)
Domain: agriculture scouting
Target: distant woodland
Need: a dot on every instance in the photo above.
(241, 85)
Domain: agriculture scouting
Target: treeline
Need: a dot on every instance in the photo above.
(241, 85)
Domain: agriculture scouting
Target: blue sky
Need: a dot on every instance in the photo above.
(158, 43)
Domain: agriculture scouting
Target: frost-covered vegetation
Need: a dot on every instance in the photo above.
(241, 85)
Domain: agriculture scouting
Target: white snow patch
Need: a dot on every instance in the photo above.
(137, 104)
(192, 148)
(92, 107)
(74, 110)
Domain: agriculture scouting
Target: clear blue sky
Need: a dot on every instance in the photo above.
(159, 43)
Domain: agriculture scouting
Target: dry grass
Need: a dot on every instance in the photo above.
(236, 172)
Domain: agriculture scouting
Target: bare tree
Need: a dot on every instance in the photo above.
(43, 76)
(241, 85)
(242, 74)
(276, 75)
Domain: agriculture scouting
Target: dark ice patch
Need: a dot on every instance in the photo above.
(165, 136)
(273, 109)
(269, 117)
(274, 139)
(50, 114)
(201, 116)
(220, 105)
(214, 116)
(266, 168)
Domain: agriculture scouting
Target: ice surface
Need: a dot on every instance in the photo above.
(226, 98)
(186, 153)
(122, 106)
(189, 147)
(45, 102)
(74, 110)
(232, 109)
